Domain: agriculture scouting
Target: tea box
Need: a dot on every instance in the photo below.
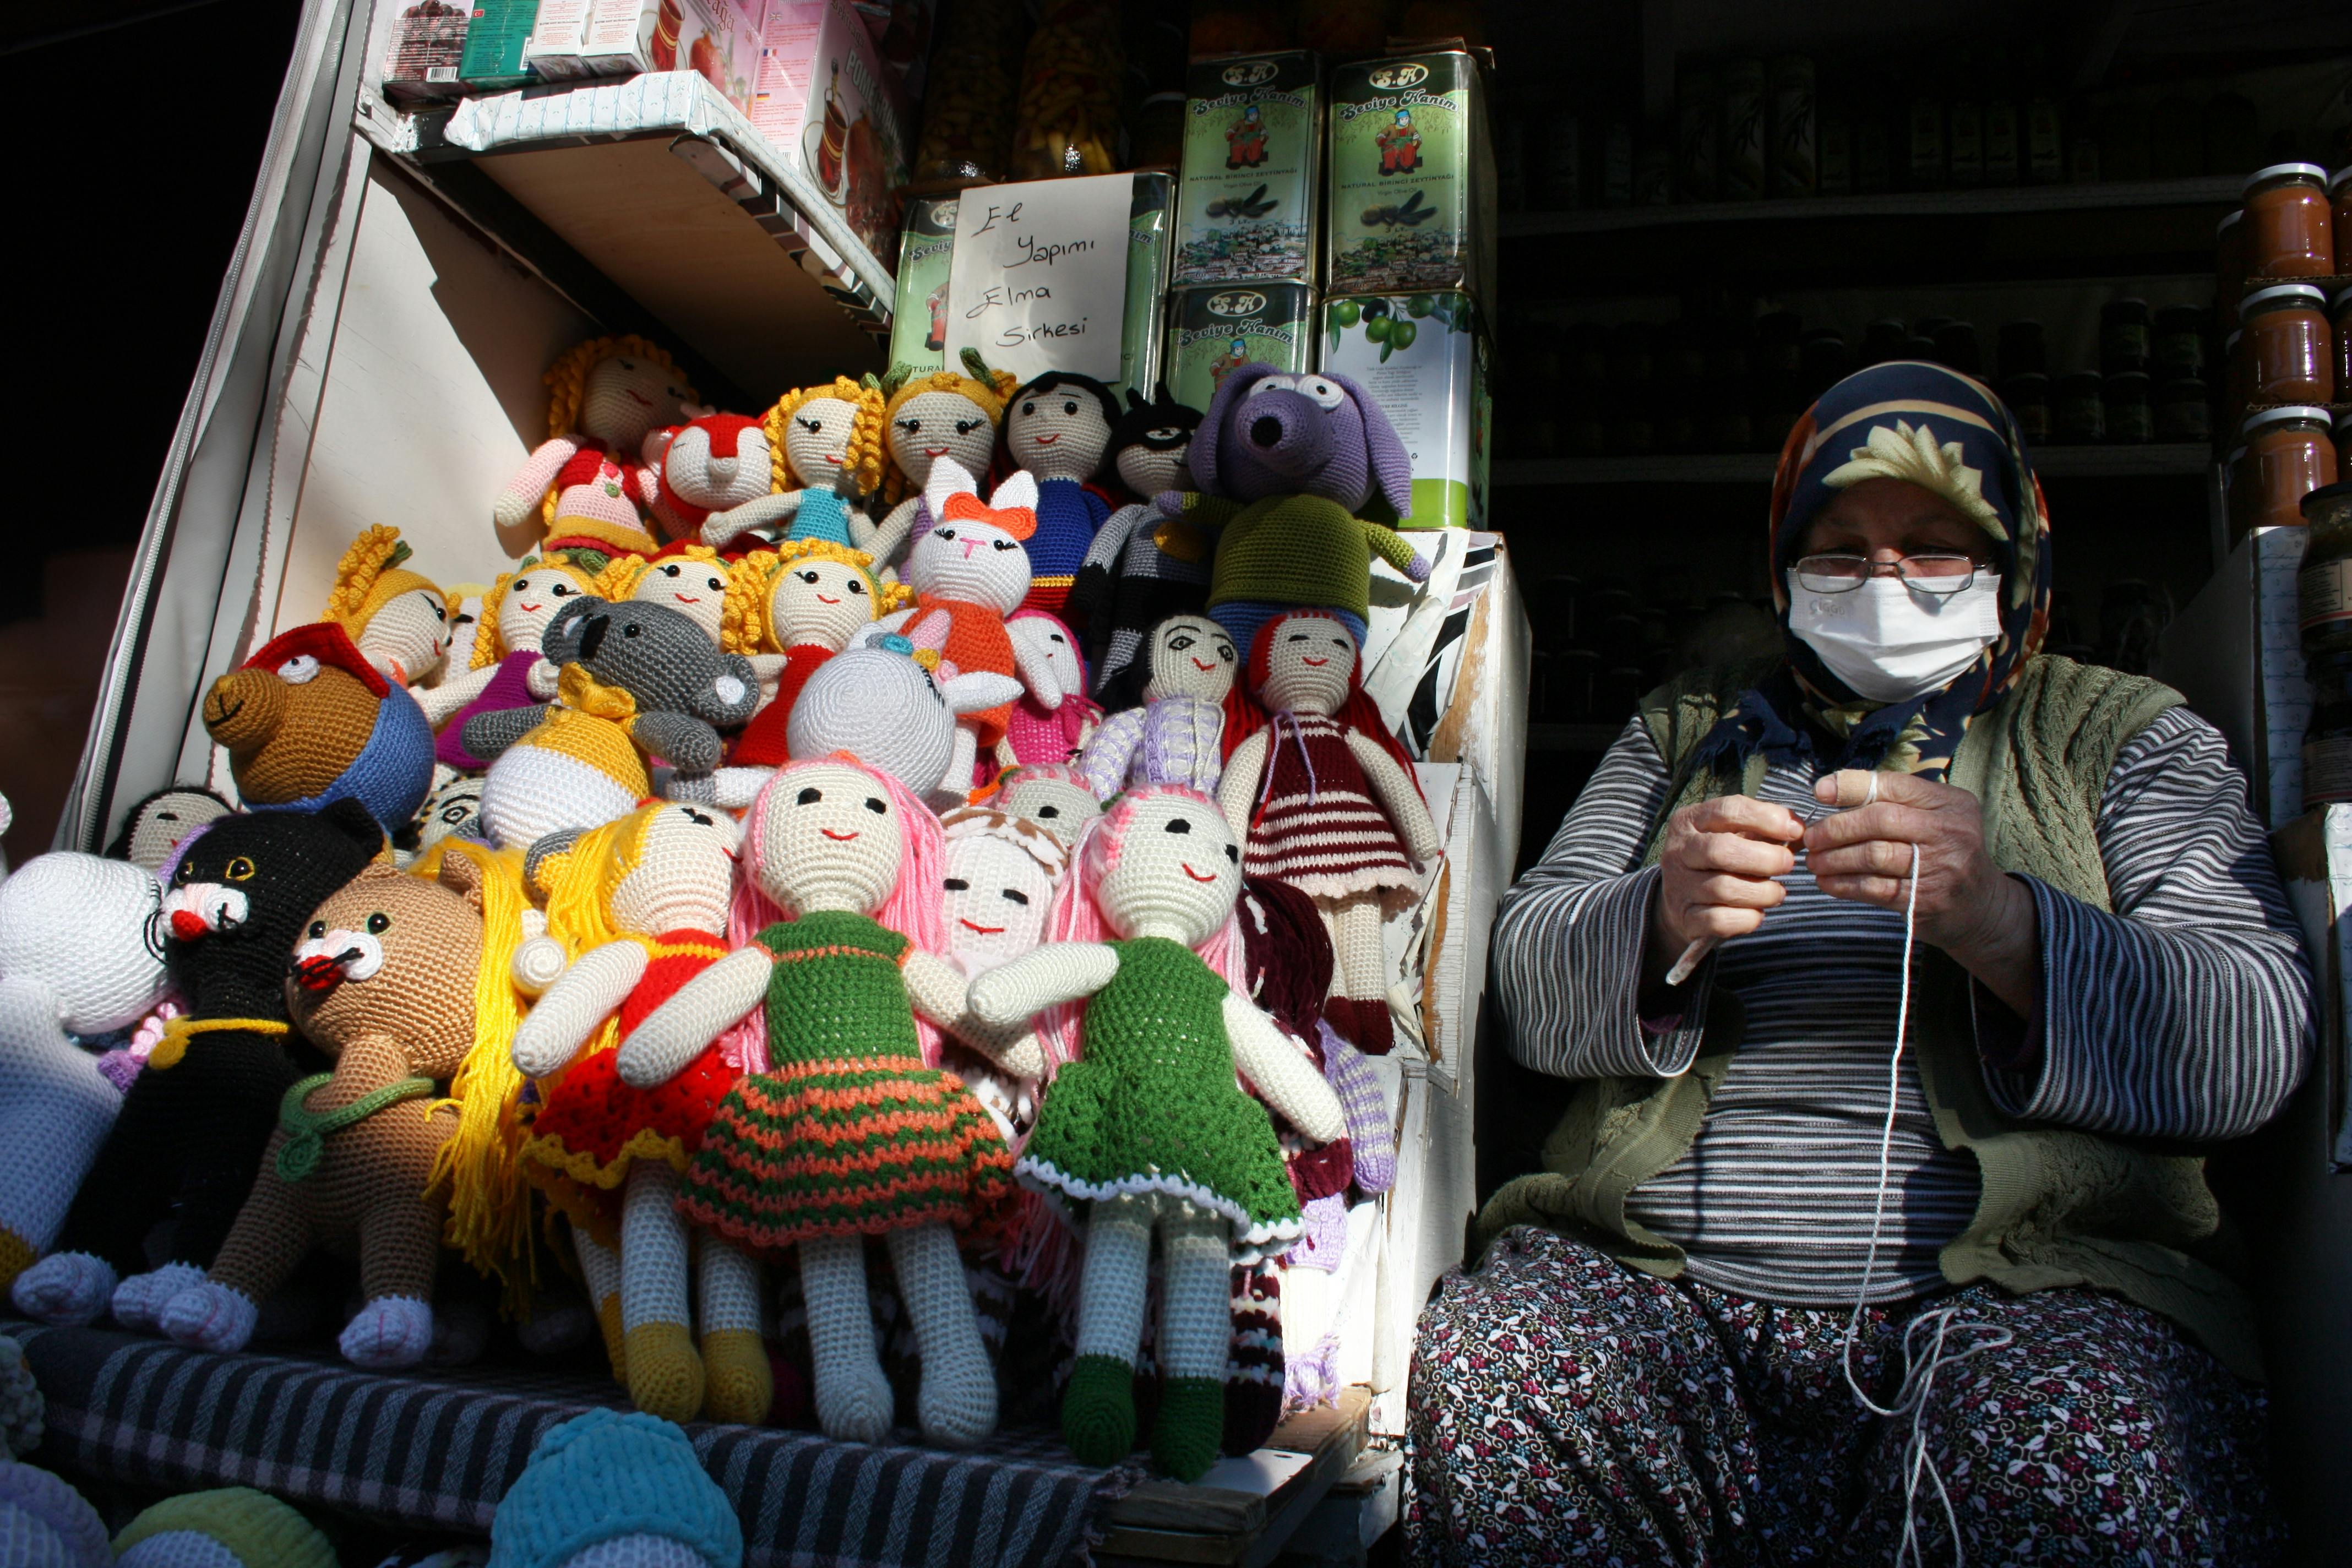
(919, 323)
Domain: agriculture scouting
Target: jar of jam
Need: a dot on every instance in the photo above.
(2179, 342)
(2131, 417)
(2290, 227)
(2344, 442)
(2184, 412)
(2028, 396)
(2123, 337)
(2290, 452)
(2230, 261)
(2327, 740)
(2339, 315)
(2288, 346)
(2323, 586)
(2079, 413)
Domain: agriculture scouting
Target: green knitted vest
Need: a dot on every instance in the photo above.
(1296, 549)
(2057, 1207)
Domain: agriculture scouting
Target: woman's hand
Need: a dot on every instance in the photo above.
(1715, 875)
(1967, 905)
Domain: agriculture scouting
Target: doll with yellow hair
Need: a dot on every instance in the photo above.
(607, 395)
(934, 414)
(640, 907)
(825, 456)
(504, 666)
(790, 612)
(689, 578)
(398, 619)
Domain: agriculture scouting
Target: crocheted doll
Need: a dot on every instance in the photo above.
(156, 824)
(306, 722)
(604, 398)
(789, 613)
(638, 681)
(1000, 876)
(891, 709)
(190, 1132)
(1176, 736)
(1142, 567)
(398, 979)
(848, 1133)
(613, 1490)
(399, 620)
(454, 809)
(824, 453)
(1146, 1129)
(1054, 796)
(934, 414)
(688, 578)
(1058, 428)
(1036, 732)
(505, 668)
(641, 904)
(1326, 800)
(80, 954)
(1286, 464)
(707, 465)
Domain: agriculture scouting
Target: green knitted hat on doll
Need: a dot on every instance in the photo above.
(607, 1476)
(255, 1529)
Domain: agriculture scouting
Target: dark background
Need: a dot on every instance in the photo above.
(139, 128)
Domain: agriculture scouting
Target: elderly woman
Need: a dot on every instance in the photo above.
(1837, 1251)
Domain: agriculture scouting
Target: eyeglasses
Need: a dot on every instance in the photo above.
(1939, 573)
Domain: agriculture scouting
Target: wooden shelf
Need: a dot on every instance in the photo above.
(1982, 202)
(1241, 1513)
(1756, 468)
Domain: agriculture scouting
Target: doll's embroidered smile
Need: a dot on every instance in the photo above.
(1197, 875)
(836, 837)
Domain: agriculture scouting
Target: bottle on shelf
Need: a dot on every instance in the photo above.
(1924, 165)
(1964, 124)
(2003, 123)
(2043, 145)
(2323, 586)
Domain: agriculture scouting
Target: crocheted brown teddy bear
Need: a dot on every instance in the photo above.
(307, 721)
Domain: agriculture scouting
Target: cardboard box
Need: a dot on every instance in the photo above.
(718, 40)
(426, 52)
(1253, 135)
(553, 48)
(1423, 359)
(495, 37)
(823, 96)
(1410, 202)
(1214, 331)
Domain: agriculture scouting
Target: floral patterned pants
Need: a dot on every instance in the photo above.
(1567, 1409)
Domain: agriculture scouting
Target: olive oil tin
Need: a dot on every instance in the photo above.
(1253, 134)
(1214, 331)
(1423, 359)
(918, 323)
(1411, 194)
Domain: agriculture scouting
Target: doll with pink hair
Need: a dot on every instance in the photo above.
(850, 1132)
(1146, 1129)
(1038, 731)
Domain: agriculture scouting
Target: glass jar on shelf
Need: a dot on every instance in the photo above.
(967, 135)
(2028, 396)
(2184, 411)
(2078, 411)
(1068, 118)
(2327, 738)
(2130, 414)
(2288, 346)
(2323, 586)
(2339, 316)
(2290, 227)
(2124, 336)
(2290, 452)
(2177, 342)
(2339, 200)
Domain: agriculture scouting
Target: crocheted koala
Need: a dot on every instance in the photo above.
(707, 465)
(657, 687)
(192, 1127)
(82, 953)
(1176, 736)
(306, 722)
(383, 982)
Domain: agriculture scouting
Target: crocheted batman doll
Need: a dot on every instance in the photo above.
(191, 1128)
(1141, 568)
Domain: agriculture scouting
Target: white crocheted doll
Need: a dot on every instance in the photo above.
(640, 907)
(605, 395)
(687, 578)
(850, 1132)
(1176, 736)
(789, 611)
(398, 619)
(504, 667)
(1146, 1129)
(930, 416)
(1324, 799)
(825, 455)
(1002, 873)
(1054, 796)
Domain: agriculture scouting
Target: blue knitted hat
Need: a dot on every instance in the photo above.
(609, 1474)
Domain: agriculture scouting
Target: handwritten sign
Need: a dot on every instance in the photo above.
(1039, 281)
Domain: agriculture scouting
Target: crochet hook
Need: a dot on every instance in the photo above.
(1700, 946)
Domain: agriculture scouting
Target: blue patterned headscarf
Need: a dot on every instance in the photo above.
(1948, 433)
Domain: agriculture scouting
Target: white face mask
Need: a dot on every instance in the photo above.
(1888, 642)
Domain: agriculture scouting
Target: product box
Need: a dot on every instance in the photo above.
(824, 96)
(427, 50)
(1424, 358)
(1147, 230)
(718, 40)
(1213, 331)
(495, 37)
(557, 34)
(918, 322)
(1253, 130)
(1410, 199)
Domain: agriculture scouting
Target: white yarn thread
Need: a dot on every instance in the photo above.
(1929, 1330)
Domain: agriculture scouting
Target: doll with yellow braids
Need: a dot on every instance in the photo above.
(504, 666)
(640, 907)
(934, 414)
(790, 611)
(688, 578)
(398, 619)
(605, 395)
(825, 456)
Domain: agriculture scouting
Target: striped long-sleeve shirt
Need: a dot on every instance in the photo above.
(2182, 1014)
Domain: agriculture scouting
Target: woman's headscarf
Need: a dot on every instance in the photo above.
(1949, 434)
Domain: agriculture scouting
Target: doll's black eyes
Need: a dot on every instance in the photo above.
(875, 807)
(1178, 645)
(1008, 544)
(966, 427)
(562, 591)
(318, 929)
(696, 816)
(808, 797)
(855, 586)
(1017, 896)
(814, 426)
(1045, 810)
(378, 923)
(957, 885)
(1234, 853)
(669, 571)
(1179, 824)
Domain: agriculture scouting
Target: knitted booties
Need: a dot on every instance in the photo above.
(1099, 1410)
(1190, 1426)
(664, 1374)
(209, 1317)
(66, 1288)
(390, 1331)
(139, 1302)
(737, 1382)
